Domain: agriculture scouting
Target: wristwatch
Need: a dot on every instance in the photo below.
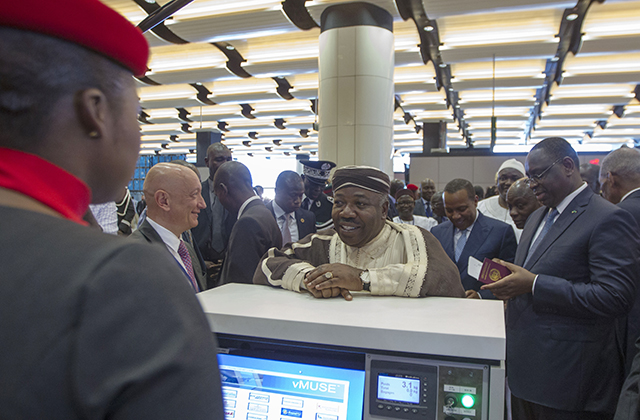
(366, 280)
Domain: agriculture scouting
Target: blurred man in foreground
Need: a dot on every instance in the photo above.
(93, 326)
(364, 252)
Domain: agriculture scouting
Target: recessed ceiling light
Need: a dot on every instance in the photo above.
(428, 28)
(555, 58)
(442, 65)
(230, 47)
(572, 16)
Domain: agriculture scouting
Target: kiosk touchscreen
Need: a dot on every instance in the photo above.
(260, 389)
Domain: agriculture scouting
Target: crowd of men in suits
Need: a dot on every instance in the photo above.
(572, 315)
(571, 312)
(574, 269)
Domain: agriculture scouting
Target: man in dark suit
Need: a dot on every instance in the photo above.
(174, 201)
(254, 232)
(469, 233)
(294, 223)
(315, 174)
(214, 222)
(423, 203)
(620, 184)
(575, 272)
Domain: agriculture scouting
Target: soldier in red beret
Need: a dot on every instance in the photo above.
(92, 326)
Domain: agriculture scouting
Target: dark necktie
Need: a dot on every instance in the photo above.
(545, 229)
(186, 259)
(306, 204)
(427, 209)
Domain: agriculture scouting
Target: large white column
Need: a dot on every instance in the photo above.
(355, 99)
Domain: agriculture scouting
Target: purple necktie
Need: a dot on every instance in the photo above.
(186, 259)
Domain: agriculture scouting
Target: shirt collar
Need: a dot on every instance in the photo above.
(568, 199)
(168, 237)
(246, 203)
(45, 182)
(278, 212)
(629, 193)
(470, 228)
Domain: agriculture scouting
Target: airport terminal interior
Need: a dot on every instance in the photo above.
(445, 229)
(248, 69)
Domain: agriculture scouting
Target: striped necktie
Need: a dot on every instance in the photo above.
(186, 259)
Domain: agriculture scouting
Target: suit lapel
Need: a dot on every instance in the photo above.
(207, 198)
(150, 233)
(447, 243)
(573, 211)
(527, 234)
(269, 206)
(478, 234)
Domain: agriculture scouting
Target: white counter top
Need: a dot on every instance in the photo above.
(439, 326)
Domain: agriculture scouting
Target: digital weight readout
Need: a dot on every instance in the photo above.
(392, 388)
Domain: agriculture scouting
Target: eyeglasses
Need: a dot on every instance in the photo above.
(538, 178)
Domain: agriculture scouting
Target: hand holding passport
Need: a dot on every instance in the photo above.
(488, 271)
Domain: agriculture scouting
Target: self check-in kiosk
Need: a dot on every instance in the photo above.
(286, 355)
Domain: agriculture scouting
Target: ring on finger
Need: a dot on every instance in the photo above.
(328, 275)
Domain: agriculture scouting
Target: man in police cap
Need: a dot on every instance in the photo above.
(315, 174)
(93, 326)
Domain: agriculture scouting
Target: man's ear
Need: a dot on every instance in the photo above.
(92, 110)
(162, 200)
(569, 165)
(385, 208)
(614, 180)
(221, 190)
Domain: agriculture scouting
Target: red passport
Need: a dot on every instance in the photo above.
(492, 271)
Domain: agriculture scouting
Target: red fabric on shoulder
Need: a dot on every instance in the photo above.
(45, 182)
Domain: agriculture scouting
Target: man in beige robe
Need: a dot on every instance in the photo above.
(363, 251)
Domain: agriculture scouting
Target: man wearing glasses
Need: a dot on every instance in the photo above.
(575, 272)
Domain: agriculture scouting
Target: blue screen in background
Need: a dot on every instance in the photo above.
(267, 389)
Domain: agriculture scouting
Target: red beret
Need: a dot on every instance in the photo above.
(85, 22)
(412, 187)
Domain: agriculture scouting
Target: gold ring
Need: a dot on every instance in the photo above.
(328, 275)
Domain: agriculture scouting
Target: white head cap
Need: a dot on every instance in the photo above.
(512, 164)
